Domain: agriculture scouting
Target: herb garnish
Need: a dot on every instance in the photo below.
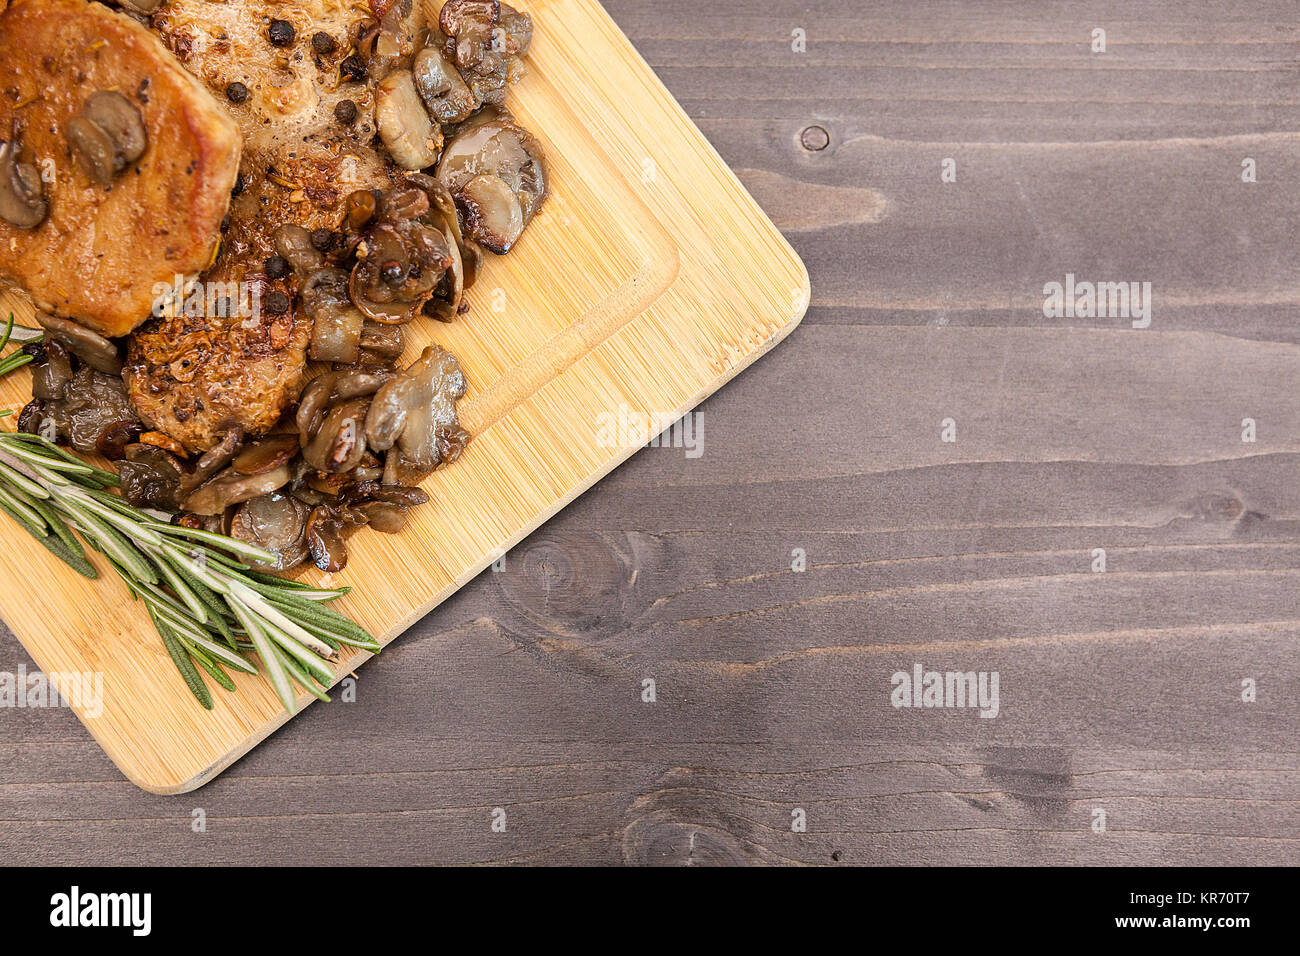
(209, 607)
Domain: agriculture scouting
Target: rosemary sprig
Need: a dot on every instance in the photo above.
(210, 609)
(18, 333)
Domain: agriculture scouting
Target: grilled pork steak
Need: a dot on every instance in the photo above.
(307, 129)
(97, 251)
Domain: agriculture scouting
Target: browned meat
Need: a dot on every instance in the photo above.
(196, 377)
(98, 252)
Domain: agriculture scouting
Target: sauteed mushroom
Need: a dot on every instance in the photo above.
(92, 403)
(22, 194)
(412, 139)
(394, 43)
(496, 172)
(415, 412)
(150, 478)
(107, 135)
(469, 24)
(51, 376)
(401, 266)
(486, 39)
(443, 204)
(276, 522)
(325, 539)
(340, 441)
(266, 453)
(88, 345)
(231, 488)
(440, 85)
(385, 342)
(294, 244)
(336, 332)
(329, 389)
(213, 460)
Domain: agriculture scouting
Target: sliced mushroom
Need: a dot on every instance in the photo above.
(231, 488)
(411, 137)
(150, 478)
(441, 87)
(92, 404)
(518, 29)
(339, 443)
(446, 303)
(443, 208)
(276, 522)
(491, 212)
(401, 266)
(51, 377)
(92, 149)
(337, 323)
(402, 203)
(293, 242)
(494, 148)
(394, 43)
(383, 516)
(266, 453)
(470, 23)
(31, 417)
(325, 539)
(358, 209)
(107, 135)
(22, 194)
(121, 120)
(329, 389)
(114, 439)
(385, 341)
(89, 346)
(415, 410)
(213, 460)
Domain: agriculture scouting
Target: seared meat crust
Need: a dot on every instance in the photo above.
(99, 253)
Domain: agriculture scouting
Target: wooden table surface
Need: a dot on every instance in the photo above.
(1122, 734)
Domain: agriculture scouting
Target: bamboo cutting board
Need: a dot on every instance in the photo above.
(649, 279)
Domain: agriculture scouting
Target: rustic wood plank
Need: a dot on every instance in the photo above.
(1121, 691)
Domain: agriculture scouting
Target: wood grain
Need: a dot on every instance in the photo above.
(653, 314)
(1121, 691)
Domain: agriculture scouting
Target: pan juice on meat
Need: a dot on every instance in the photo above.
(260, 197)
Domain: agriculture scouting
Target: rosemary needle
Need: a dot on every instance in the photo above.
(209, 607)
(19, 333)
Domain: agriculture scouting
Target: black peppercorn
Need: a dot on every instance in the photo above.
(281, 32)
(277, 267)
(236, 92)
(323, 43)
(391, 272)
(277, 303)
(322, 240)
(354, 68)
(346, 112)
(239, 185)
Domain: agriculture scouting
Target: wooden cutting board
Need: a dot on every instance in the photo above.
(649, 279)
